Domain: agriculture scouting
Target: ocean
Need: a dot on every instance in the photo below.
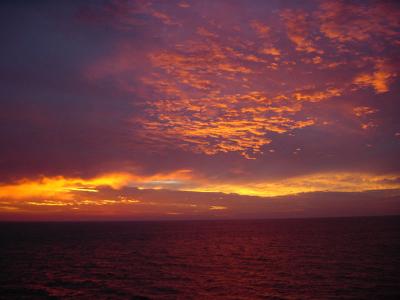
(331, 258)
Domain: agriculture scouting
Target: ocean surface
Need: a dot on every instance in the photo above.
(333, 258)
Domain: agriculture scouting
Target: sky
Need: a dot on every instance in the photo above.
(136, 110)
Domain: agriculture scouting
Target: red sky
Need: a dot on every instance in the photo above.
(199, 109)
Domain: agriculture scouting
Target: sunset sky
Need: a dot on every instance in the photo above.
(199, 109)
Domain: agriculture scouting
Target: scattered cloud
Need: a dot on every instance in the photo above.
(298, 24)
(226, 97)
(379, 79)
(361, 111)
(261, 29)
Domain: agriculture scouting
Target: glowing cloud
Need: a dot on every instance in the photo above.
(333, 182)
(60, 187)
(379, 79)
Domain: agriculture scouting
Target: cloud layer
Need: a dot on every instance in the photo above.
(255, 98)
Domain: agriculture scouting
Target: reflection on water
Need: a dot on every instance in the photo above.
(347, 258)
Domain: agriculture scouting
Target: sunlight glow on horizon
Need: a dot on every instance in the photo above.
(64, 188)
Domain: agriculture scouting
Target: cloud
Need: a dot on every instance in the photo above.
(317, 96)
(64, 188)
(271, 51)
(164, 204)
(361, 111)
(261, 29)
(59, 187)
(231, 123)
(379, 79)
(358, 22)
(338, 182)
(216, 207)
(198, 91)
(217, 97)
(298, 24)
(60, 191)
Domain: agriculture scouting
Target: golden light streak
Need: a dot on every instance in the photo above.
(60, 191)
(333, 182)
(217, 207)
(64, 188)
(60, 187)
(58, 195)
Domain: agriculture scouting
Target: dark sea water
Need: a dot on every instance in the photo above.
(343, 258)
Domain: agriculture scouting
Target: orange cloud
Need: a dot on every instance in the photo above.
(368, 125)
(298, 30)
(361, 111)
(57, 197)
(316, 96)
(163, 17)
(347, 22)
(216, 207)
(334, 182)
(379, 79)
(65, 188)
(232, 123)
(271, 51)
(60, 187)
(261, 29)
(219, 90)
(204, 32)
